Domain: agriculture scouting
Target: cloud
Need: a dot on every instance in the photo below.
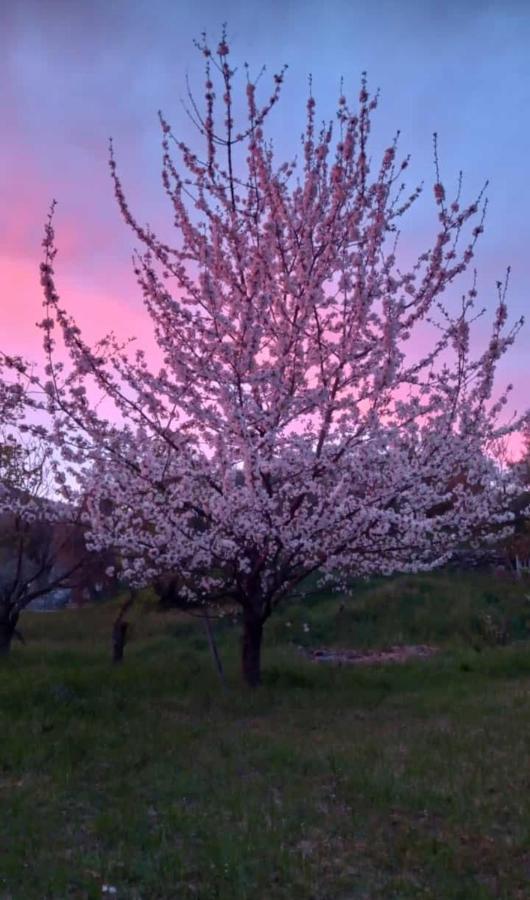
(97, 310)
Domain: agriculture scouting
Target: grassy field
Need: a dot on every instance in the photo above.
(331, 783)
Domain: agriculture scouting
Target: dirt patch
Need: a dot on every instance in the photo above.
(397, 654)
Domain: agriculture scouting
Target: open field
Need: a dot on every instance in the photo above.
(328, 783)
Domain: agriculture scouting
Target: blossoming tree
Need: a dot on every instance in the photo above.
(287, 432)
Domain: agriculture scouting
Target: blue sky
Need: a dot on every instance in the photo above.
(72, 74)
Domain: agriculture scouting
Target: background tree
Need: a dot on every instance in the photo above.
(517, 545)
(42, 539)
(283, 345)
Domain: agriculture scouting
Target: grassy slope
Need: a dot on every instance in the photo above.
(329, 783)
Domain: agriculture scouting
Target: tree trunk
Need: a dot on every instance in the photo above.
(120, 628)
(214, 650)
(251, 647)
(8, 627)
(119, 635)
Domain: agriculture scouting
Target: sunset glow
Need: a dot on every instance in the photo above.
(74, 74)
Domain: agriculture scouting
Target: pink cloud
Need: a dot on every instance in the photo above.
(97, 310)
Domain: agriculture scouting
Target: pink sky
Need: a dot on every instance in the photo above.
(72, 74)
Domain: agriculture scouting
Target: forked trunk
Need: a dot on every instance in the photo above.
(251, 647)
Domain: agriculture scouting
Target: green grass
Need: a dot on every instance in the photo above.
(329, 783)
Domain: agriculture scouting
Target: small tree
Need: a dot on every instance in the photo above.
(284, 360)
(42, 546)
